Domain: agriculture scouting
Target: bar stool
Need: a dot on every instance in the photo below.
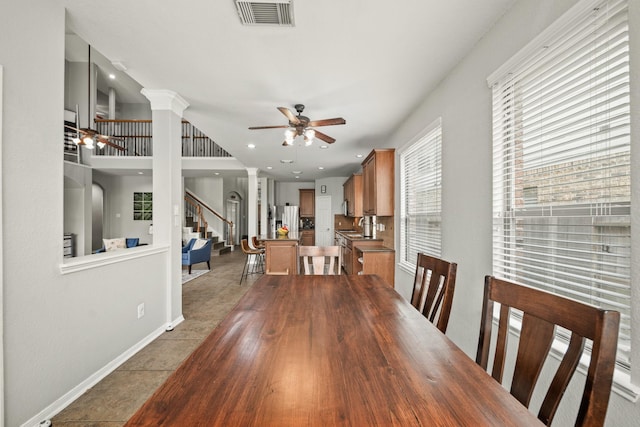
(249, 252)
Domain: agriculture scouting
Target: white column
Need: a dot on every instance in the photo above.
(167, 108)
(112, 103)
(264, 206)
(252, 202)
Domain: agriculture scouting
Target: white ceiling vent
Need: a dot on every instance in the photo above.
(266, 12)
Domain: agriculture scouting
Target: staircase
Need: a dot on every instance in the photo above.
(188, 232)
(196, 225)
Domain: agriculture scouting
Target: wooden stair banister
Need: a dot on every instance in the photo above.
(193, 200)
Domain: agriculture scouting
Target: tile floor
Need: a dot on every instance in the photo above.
(206, 300)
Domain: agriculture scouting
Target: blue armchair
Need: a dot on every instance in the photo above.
(193, 256)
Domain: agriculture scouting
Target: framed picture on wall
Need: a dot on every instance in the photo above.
(142, 206)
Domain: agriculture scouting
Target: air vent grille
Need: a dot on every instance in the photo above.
(269, 12)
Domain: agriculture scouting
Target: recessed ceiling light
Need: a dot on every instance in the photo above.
(216, 173)
(269, 167)
(286, 161)
(358, 155)
(251, 145)
(321, 167)
(140, 173)
(324, 147)
(112, 76)
(297, 177)
(296, 172)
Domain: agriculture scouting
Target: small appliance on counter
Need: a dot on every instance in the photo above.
(368, 225)
(306, 224)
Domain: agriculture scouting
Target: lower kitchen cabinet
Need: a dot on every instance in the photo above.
(307, 238)
(374, 259)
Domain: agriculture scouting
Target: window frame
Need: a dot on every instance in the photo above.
(424, 137)
(622, 377)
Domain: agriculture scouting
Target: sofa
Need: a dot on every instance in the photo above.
(196, 251)
(112, 244)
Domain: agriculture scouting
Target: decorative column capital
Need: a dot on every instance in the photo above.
(163, 99)
(252, 171)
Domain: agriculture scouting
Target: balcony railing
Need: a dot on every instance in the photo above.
(136, 137)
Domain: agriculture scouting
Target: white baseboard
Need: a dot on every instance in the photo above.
(77, 391)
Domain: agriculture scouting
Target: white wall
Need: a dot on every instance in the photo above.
(463, 100)
(287, 192)
(118, 206)
(334, 189)
(58, 329)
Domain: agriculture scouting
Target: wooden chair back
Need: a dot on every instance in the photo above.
(541, 312)
(314, 259)
(257, 243)
(244, 244)
(433, 288)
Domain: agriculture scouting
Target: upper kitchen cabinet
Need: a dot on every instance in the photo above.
(353, 195)
(307, 203)
(377, 182)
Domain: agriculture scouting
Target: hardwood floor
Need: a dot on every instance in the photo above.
(206, 301)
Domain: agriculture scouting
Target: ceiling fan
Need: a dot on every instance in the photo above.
(87, 136)
(302, 126)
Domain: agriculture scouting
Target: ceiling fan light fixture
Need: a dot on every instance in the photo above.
(87, 141)
(100, 144)
(76, 140)
(309, 134)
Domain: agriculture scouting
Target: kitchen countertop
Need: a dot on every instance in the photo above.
(354, 235)
(290, 236)
(373, 248)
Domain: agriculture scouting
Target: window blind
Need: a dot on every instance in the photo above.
(420, 196)
(561, 135)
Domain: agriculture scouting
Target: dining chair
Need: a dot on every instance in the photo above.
(249, 252)
(542, 312)
(314, 259)
(257, 243)
(433, 288)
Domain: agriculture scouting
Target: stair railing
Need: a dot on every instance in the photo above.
(196, 212)
(193, 200)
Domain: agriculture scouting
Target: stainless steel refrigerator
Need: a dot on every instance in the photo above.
(286, 215)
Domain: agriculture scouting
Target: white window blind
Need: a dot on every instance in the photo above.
(562, 164)
(420, 196)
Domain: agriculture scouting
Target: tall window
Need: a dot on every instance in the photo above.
(561, 162)
(420, 204)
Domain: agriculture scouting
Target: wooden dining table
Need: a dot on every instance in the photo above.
(324, 351)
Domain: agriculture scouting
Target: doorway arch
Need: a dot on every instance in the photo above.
(233, 212)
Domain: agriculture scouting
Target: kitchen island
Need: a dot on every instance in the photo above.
(281, 253)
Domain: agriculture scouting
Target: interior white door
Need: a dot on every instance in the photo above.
(324, 221)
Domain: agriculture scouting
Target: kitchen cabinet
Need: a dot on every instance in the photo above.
(307, 203)
(377, 183)
(281, 255)
(307, 238)
(375, 259)
(352, 189)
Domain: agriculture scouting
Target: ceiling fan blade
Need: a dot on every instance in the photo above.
(268, 127)
(328, 122)
(326, 138)
(292, 117)
(75, 129)
(110, 137)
